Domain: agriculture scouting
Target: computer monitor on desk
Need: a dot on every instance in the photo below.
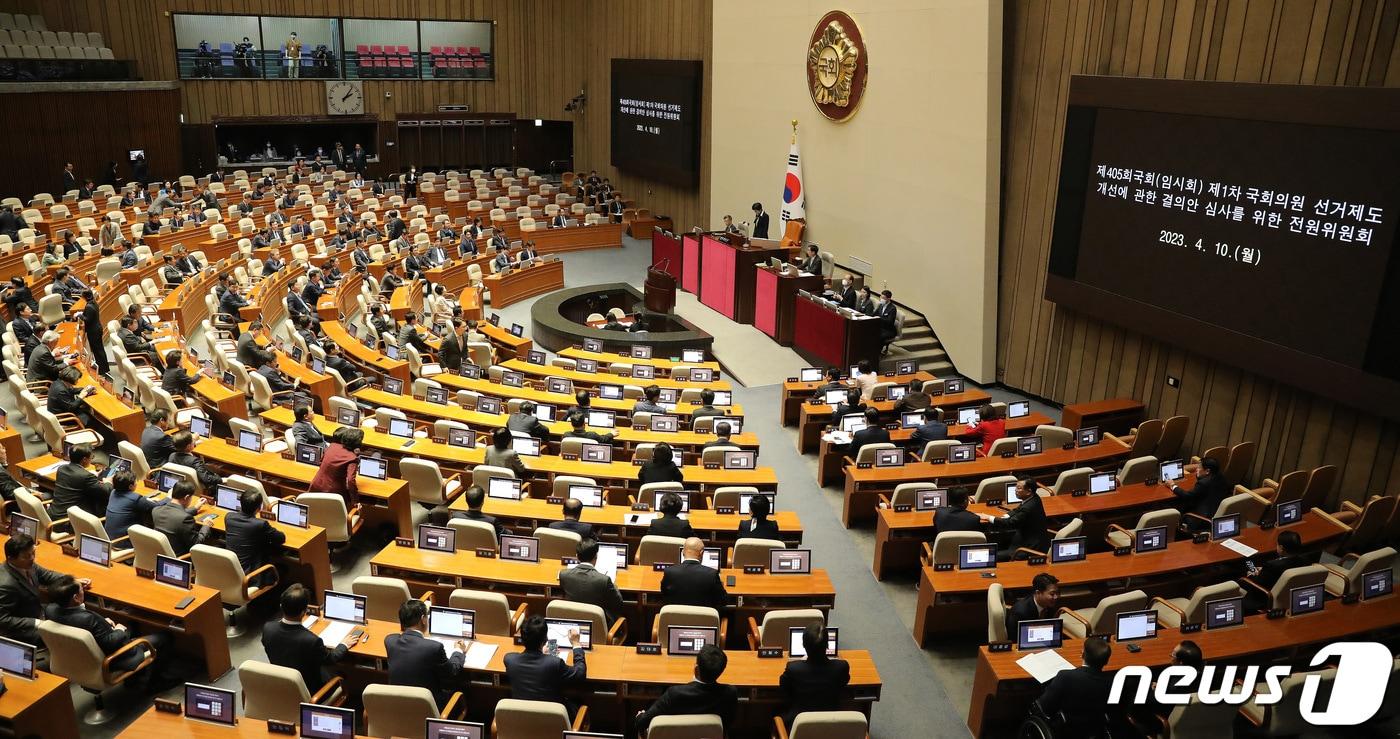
(17, 658)
(327, 722)
(208, 703)
(441, 728)
(1039, 633)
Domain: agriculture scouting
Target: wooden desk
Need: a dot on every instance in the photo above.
(367, 358)
(197, 630)
(125, 422)
(863, 486)
(831, 457)
(1112, 416)
(795, 392)
(898, 535)
(813, 417)
(42, 707)
(155, 725)
(520, 284)
(1002, 692)
(955, 601)
(663, 365)
(622, 407)
(594, 379)
(222, 402)
(775, 300)
(832, 337)
(381, 500)
(13, 444)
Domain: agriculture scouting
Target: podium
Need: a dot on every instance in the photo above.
(727, 272)
(660, 288)
(775, 299)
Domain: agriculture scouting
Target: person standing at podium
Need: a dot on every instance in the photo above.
(760, 222)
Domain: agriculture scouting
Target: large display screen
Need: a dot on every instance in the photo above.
(1252, 223)
(656, 119)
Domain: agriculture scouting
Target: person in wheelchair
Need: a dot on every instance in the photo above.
(1075, 702)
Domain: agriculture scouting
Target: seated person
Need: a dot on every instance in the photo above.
(254, 541)
(815, 683)
(1290, 553)
(525, 421)
(66, 607)
(578, 421)
(287, 643)
(124, 508)
(303, 430)
(175, 518)
(661, 467)
(722, 433)
(502, 454)
(873, 433)
(21, 581)
(955, 516)
(184, 455)
(573, 511)
(690, 582)
(536, 676)
(418, 661)
(931, 429)
(702, 695)
(707, 407)
(1042, 602)
(649, 402)
(1077, 699)
(759, 526)
(583, 583)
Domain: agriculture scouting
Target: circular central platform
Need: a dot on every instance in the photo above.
(558, 322)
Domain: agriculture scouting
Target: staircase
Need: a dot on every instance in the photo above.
(918, 342)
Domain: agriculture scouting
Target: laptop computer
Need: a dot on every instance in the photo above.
(293, 514)
(446, 625)
(504, 488)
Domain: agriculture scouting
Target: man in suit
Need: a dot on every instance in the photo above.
(615, 208)
(873, 433)
(1027, 521)
(670, 523)
(1204, 497)
(847, 293)
(381, 322)
(276, 381)
(417, 661)
(915, 399)
(232, 301)
(722, 432)
(313, 291)
(955, 516)
(853, 404)
(527, 254)
(1290, 553)
(289, 644)
(70, 180)
(536, 676)
(1043, 602)
(66, 598)
(702, 695)
(66, 397)
(573, 511)
(502, 261)
(525, 421)
(650, 401)
(476, 500)
(932, 429)
(453, 349)
(253, 540)
(559, 220)
(583, 582)
(43, 365)
(816, 682)
(125, 507)
(75, 486)
(691, 583)
(813, 262)
(578, 421)
(707, 407)
(247, 346)
(26, 329)
(887, 314)
(760, 223)
(296, 305)
(21, 581)
(175, 519)
(183, 442)
(1081, 695)
(359, 159)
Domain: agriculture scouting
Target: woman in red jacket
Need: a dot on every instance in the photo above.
(988, 429)
(340, 465)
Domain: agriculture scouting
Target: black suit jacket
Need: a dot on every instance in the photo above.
(178, 525)
(1082, 695)
(755, 529)
(931, 431)
(20, 605)
(43, 365)
(1028, 521)
(584, 530)
(294, 646)
(536, 676)
(421, 662)
(1204, 497)
(868, 435)
(451, 352)
(813, 685)
(585, 584)
(848, 298)
(1271, 571)
(64, 398)
(669, 526)
(207, 477)
(108, 639)
(252, 539)
(693, 698)
(760, 226)
(692, 584)
(76, 486)
(949, 518)
(1024, 609)
(157, 446)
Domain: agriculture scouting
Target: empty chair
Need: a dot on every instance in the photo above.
(328, 511)
(493, 612)
(1138, 470)
(1345, 578)
(522, 719)
(74, 654)
(383, 596)
(753, 551)
(1284, 717)
(938, 449)
(426, 484)
(996, 613)
(219, 569)
(676, 615)
(823, 725)
(1079, 623)
(473, 535)
(945, 546)
(1117, 536)
(1368, 522)
(653, 549)
(482, 474)
(1173, 612)
(686, 726)
(557, 543)
(773, 632)
(1054, 436)
(275, 692)
(993, 488)
(1250, 507)
(1072, 480)
(146, 544)
(594, 615)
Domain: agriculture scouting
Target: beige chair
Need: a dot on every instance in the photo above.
(147, 543)
(493, 613)
(823, 725)
(1293, 577)
(996, 613)
(1117, 536)
(1250, 507)
(1285, 718)
(557, 543)
(482, 474)
(653, 549)
(384, 596)
(1137, 470)
(1320, 483)
(473, 535)
(328, 511)
(1079, 623)
(1290, 487)
(1004, 445)
(993, 488)
(402, 710)
(1368, 523)
(689, 726)
(521, 719)
(728, 495)
(73, 653)
(1238, 461)
(426, 483)
(1345, 578)
(1054, 437)
(674, 615)
(275, 692)
(1173, 612)
(1144, 437)
(867, 453)
(773, 632)
(593, 614)
(219, 569)
(1069, 530)
(560, 487)
(139, 466)
(30, 505)
(1071, 480)
(753, 551)
(1173, 436)
(715, 454)
(905, 493)
(945, 546)
(85, 523)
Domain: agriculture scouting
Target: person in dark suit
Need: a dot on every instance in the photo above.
(536, 676)
(578, 423)
(303, 430)
(583, 583)
(77, 487)
(888, 316)
(66, 607)
(92, 330)
(1080, 696)
(702, 695)
(175, 379)
(759, 525)
(913, 400)
(691, 583)
(932, 429)
(670, 523)
(66, 397)
(417, 661)
(866, 302)
(527, 254)
(1043, 602)
(847, 293)
(21, 581)
(254, 541)
(707, 407)
(125, 507)
(1027, 521)
(722, 433)
(526, 422)
(26, 329)
(232, 300)
(289, 644)
(573, 511)
(873, 433)
(184, 455)
(853, 404)
(559, 219)
(651, 396)
(175, 519)
(476, 500)
(760, 222)
(70, 180)
(955, 516)
(43, 365)
(813, 262)
(1204, 497)
(1290, 553)
(155, 443)
(660, 468)
(816, 682)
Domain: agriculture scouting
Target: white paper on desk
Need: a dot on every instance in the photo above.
(1244, 550)
(837, 437)
(49, 470)
(804, 274)
(640, 519)
(1044, 665)
(335, 632)
(309, 621)
(478, 655)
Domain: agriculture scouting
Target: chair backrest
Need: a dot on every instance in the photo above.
(1149, 433)
(85, 523)
(1054, 436)
(938, 449)
(1071, 480)
(674, 615)
(522, 718)
(1168, 517)
(1004, 445)
(383, 596)
(687, 726)
(753, 551)
(482, 474)
(653, 549)
(30, 505)
(581, 612)
(1376, 559)
(867, 452)
(424, 478)
(556, 543)
(473, 535)
(148, 543)
(829, 724)
(560, 487)
(271, 691)
(728, 495)
(493, 614)
(1201, 719)
(1248, 505)
(1370, 526)
(1319, 490)
(996, 613)
(1106, 613)
(1285, 717)
(1295, 577)
(328, 511)
(993, 488)
(773, 632)
(219, 569)
(1195, 610)
(1173, 435)
(1291, 486)
(1138, 469)
(73, 653)
(1237, 464)
(397, 710)
(945, 545)
(1074, 528)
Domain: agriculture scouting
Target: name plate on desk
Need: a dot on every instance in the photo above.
(999, 646)
(1201, 538)
(1067, 446)
(725, 510)
(770, 652)
(68, 550)
(864, 465)
(753, 569)
(568, 561)
(640, 507)
(711, 466)
(554, 500)
(1008, 455)
(903, 507)
(148, 574)
(792, 379)
(267, 516)
(943, 567)
(168, 706)
(403, 541)
(485, 553)
(1350, 598)
(1266, 525)
(660, 566)
(1121, 551)
(1037, 560)
(1190, 628)
(1275, 613)
(569, 457)
(638, 462)
(648, 649)
(1078, 493)
(937, 461)
(281, 727)
(993, 501)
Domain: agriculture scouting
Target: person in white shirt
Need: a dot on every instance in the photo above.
(867, 378)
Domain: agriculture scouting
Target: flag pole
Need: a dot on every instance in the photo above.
(794, 132)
